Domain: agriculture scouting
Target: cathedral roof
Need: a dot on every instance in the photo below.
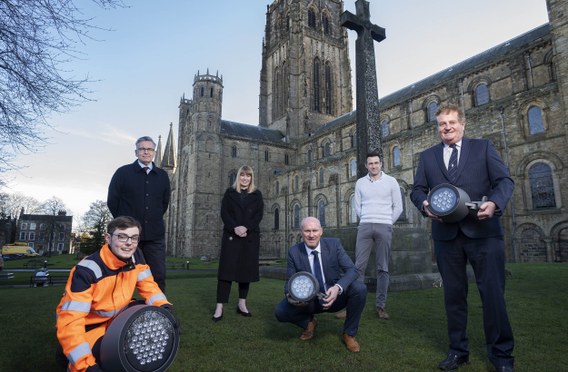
(337, 122)
(470, 64)
(250, 132)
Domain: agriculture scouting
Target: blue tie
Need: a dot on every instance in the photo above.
(453, 164)
(317, 271)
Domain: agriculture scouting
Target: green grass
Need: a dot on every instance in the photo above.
(413, 340)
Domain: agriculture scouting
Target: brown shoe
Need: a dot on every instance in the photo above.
(382, 313)
(341, 314)
(351, 343)
(308, 333)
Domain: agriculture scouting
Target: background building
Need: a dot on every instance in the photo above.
(46, 234)
(304, 150)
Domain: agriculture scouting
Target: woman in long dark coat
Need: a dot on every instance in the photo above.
(241, 211)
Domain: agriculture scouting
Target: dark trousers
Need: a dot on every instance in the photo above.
(224, 290)
(155, 255)
(487, 258)
(353, 298)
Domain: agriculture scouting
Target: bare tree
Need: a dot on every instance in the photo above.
(11, 205)
(53, 206)
(94, 223)
(37, 38)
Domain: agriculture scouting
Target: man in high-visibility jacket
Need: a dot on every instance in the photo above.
(98, 288)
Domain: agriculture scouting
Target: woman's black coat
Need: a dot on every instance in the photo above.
(239, 256)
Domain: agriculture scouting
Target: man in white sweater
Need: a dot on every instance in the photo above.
(378, 204)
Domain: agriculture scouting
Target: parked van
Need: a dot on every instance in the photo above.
(18, 250)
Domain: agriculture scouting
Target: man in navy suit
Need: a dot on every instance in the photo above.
(477, 239)
(342, 288)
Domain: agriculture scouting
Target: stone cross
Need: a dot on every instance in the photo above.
(368, 127)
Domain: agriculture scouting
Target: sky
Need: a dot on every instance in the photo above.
(147, 61)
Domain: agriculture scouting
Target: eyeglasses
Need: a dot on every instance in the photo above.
(145, 149)
(123, 238)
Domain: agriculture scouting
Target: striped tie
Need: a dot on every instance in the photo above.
(453, 164)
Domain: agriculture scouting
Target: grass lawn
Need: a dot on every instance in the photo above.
(414, 339)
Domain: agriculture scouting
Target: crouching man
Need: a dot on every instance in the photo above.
(326, 259)
(98, 288)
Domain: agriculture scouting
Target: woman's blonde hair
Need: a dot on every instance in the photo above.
(248, 171)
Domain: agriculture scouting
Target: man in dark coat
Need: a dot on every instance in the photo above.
(142, 190)
(474, 166)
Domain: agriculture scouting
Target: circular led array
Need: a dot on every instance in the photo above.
(147, 338)
(142, 338)
(443, 200)
(302, 286)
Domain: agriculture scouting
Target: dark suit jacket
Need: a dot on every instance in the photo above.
(481, 172)
(337, 265)
(145, 197)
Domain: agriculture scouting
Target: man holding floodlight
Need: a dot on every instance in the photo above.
(474, 166)
(324, 258)
(98, 289)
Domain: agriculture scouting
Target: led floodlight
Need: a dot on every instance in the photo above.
(303, 287)
(142, 338)
(450, 203)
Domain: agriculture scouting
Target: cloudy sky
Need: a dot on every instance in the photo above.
(147, 62)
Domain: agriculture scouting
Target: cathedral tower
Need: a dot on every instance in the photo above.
(305, 78)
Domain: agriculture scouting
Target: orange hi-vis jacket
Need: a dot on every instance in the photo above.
(98, 288)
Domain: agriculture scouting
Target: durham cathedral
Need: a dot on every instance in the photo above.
(304, 147)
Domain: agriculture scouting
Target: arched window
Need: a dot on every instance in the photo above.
(311, 19)
(277, 188)
(234, 151)
(266, 155)
(481, 94)
(402, 216)
(316, 86)
(309, 155)
(296, 217)
(542, 186)
(536, 125)
(396, 158)
(320, 177)
(326, 149)
(431, 111)
(353, 168)
(326, 27)
(328, 89)
(276, 219)
(321, 211)
(296, 183)
(232, 177)
(352, 140)
(286, 159)
(352, 212)
(385, 128)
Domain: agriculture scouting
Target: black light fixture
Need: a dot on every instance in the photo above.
(303, 287)
(450, 203)
(142, 338)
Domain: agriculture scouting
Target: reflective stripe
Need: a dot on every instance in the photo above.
(83, 307)
(107, 314)
(80, 351)
(93, 266)
(156, 297)
(144, 274)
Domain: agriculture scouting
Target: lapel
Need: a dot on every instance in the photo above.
(439, 155)
(464, 155)
(304, 260)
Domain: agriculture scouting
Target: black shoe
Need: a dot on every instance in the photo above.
(216, 319)
(245, 314)
(453, 361)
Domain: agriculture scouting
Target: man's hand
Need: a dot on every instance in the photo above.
(425, 206)
(330, 297)
(291, 301)
(486, 210)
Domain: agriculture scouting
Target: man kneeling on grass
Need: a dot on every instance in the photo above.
(324, 258)
(98, 288)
